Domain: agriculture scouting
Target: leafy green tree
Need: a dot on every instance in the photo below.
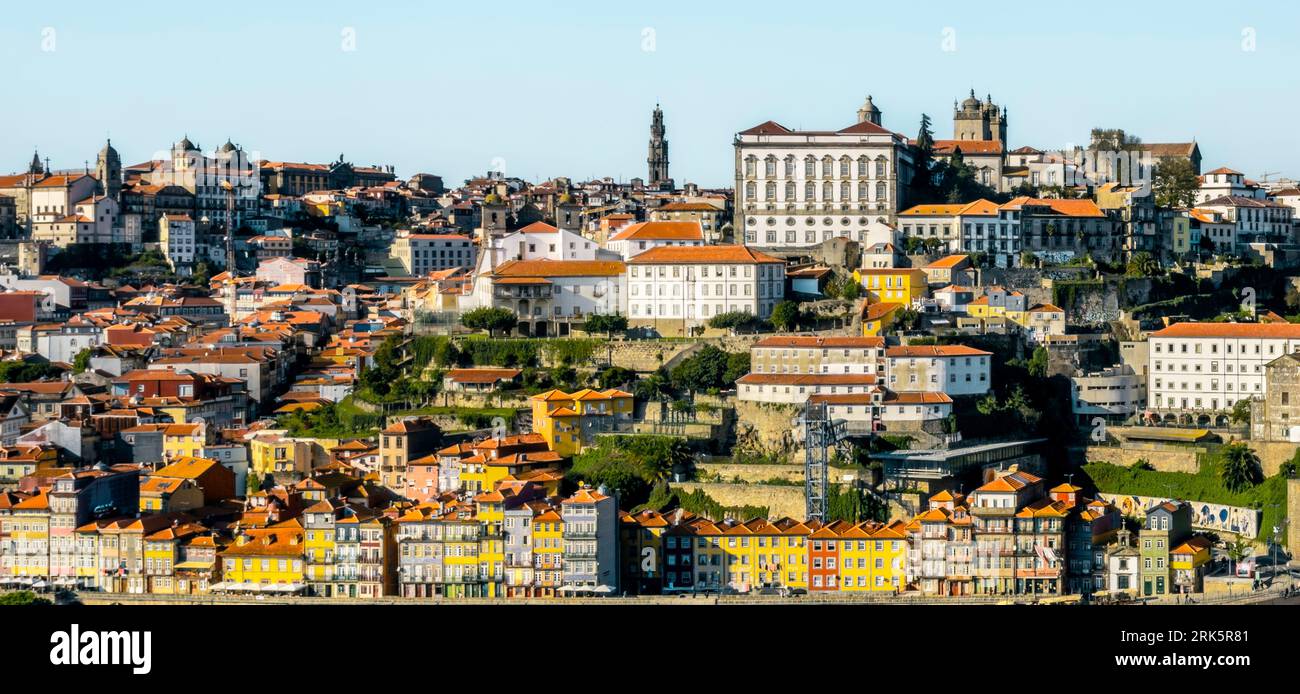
(738, 364)
(23, 597)
(608, 324)
(489, 318)
(22, 371)
(1175, 184)
(702, 371)
(735, 320)
(785, 316)
(445, 354)
(202, 274)
(81, 362)
(906, 318)
(1241, 468)
(959, 183)
(661, 497)
(1241, 411)
(1038, 363)
(615, 376)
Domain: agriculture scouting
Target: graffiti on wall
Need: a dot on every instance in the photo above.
(1205, 516)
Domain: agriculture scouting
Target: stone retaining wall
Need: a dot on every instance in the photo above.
(780, 501)
(753, 473)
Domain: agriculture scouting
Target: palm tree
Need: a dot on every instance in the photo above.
(1237, 550)
(1241, 467)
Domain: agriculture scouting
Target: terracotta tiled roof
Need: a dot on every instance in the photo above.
(948, 262)
(1277, 331)
(659, 231)
(672, 255)
(560, 268)
(538, 228)
(968, 146)
(481, 375)
(815, 342)
(935, 351)
(1067, 208)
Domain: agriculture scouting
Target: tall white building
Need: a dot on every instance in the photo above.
(800, 188)
(421, 254)
(675, 288)
(549, 297)
(1115, 394)
(1254, 219)
(177, 239)
(1203, 369)
(1226, 182)
(951, 369)
(538, 241)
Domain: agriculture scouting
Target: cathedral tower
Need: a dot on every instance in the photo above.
(979, 120)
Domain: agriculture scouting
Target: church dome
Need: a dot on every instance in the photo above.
(972, 103)
(228, 147)
(108, 152)
(185, 145)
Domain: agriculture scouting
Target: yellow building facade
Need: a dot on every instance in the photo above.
(568, 420)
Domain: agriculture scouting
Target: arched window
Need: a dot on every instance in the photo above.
(751, 191)
(789, 191)
(770, 192)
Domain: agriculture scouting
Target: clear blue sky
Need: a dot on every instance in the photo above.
(567, 88)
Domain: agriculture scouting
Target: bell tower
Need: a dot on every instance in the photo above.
(658, 159)
(108, 169)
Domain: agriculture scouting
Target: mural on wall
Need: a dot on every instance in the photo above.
(1205, 516)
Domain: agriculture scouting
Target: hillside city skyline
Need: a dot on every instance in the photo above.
(569, 115)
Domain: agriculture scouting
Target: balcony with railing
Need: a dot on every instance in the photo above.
(522, 291)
